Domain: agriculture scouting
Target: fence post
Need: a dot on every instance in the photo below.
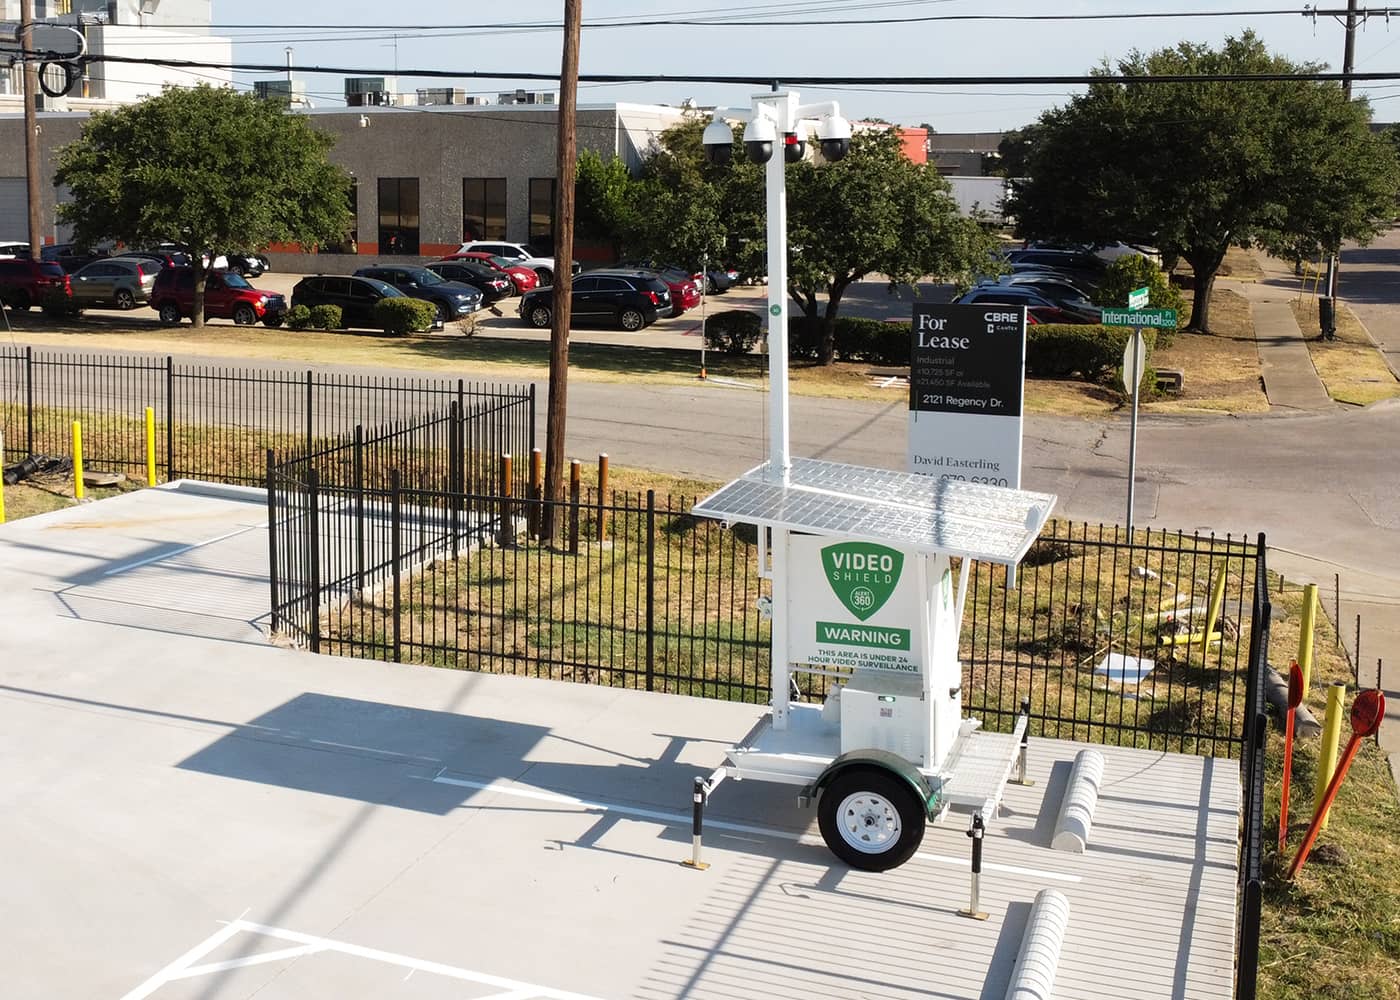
(314, 547)
(536, 518)
(532, 415)
(454, 470)
(651, 589)
(29, 401)
(395, 555)
(602, 498)
(359, 473)
(504, 536)
(169, 419)
(575, 487)
(272, 541)
(310, 415)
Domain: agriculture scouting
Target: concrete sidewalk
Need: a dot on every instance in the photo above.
(1290, 380)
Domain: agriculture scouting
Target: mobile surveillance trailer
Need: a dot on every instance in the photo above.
(861, 564)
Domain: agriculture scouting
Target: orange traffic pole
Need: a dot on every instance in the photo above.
(1295, 698)
(1366, 714)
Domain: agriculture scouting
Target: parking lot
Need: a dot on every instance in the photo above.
(229, 819)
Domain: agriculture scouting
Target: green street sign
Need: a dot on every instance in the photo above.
(1159, 318)
(1137, 298)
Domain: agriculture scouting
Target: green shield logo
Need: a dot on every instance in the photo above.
(862, 575)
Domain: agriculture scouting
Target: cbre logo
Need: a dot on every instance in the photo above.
(862, 575)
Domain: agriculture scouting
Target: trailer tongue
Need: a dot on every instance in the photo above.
(861, 566)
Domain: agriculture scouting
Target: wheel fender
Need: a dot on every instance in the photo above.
(886, 761)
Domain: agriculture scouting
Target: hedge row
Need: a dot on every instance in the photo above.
(1053, 350)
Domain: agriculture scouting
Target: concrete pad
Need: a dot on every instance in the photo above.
(189, 817)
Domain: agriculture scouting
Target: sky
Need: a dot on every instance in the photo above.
(377, 37)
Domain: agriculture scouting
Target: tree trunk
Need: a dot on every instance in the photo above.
(201, 277)
(1204, 266)
(834, 291)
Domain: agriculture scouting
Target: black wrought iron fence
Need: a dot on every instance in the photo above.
(1256, 737)
(216, 422)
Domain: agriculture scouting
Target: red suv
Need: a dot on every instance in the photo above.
(226, 296)
(24, 283)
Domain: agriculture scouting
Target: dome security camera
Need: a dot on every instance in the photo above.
(794, 147)
(834, 134)
(759, 138)
(718, 141)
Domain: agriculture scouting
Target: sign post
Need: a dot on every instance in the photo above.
(1135, 366)
(966, 381)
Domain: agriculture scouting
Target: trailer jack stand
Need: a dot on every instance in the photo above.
(1021, 778)
(702, 791)
(978, 828)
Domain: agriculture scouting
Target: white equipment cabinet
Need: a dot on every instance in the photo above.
(865, 593)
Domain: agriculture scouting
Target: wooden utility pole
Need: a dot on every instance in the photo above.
(563, 269)
(31, 128)
(1349, 52)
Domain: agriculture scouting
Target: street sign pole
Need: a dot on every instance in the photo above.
(1131, 370)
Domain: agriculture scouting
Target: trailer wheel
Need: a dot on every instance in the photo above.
(871, 819)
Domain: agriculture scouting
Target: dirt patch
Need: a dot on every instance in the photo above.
(1351, 368)
(1221, 368)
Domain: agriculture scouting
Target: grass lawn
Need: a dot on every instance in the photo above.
(1221, 368)
(1335, 932)
(1351, 368)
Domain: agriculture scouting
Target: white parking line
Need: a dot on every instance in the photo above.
(309, 944)
(679, 819)
(182, 550)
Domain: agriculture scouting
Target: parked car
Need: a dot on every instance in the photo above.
(226, 296)
(123, 282)
(1084, 268)
(25, 283)
(71, 257)
(521, 278)
(10, 249)
(685, 292)
(632, 299)
(1050, 284)
(518, 254)
(1046, 310)
(715, 281)
(250, 265)
(174, 258)
(452, 298)
(355, 296)
(492, 284)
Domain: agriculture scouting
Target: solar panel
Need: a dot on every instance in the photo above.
(989, 523)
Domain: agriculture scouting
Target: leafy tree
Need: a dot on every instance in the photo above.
(605, 206)
(873, 212)
(214, 169)
(1134, 271)
(1195, 168)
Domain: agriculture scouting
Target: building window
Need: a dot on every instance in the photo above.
(483, 208)
(354, 214)
(398, 215)
(542, 212)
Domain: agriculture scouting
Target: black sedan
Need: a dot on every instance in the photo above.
(453, 299)
(492, 284)
(628, 298)
(356, 297)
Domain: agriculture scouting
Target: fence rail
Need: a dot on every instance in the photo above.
(216, 422)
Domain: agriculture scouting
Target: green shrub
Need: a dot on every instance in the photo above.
(59, 305)
(857, 339)
(734, 331)
(1135, 271)
(402, 315)
(326, 317)
(1093, 353)
(298, 318)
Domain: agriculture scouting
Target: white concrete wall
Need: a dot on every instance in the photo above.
(131, 82)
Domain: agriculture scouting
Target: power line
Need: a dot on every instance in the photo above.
(767, 79)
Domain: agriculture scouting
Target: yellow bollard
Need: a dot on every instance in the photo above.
(2, 478)
(1217, 598)
(1331, 736)
(150, 446)
(1305, 636)
(77, 460)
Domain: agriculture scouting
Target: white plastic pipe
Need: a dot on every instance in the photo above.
(1081, 796)
(1039, 957)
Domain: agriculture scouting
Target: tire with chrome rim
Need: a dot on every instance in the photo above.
(871, 819)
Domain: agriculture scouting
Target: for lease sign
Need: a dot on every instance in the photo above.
(966, 380)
